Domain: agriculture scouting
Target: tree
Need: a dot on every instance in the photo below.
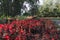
(13, 7)
(49, 9)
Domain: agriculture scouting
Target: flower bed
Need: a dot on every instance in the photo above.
(30, 29)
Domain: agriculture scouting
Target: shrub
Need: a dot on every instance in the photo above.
(30, 29)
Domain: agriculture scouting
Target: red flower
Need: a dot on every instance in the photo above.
(23, 27)
(1, 26)
(52, 39)
(22, 31)
(17, 38)
(7, 37)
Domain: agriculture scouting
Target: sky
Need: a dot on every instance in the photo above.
(27, 6)
(0, 2)
(40, 2)
(12, 0)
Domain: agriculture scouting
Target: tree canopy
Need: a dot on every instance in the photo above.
(30, 7)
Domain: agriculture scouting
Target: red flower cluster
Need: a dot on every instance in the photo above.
(31, 29)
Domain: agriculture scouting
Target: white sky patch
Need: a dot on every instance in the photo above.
(54, 1)
(12, 0)
(40, 2)
(22, 11)
(27, 5)
(0, 2)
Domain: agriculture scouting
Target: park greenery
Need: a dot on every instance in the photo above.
(12, 8)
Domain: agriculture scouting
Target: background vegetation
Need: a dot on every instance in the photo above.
(12, 8)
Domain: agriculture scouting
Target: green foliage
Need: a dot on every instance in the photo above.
(9, 8)
(2, 16)
(20, 17)
(49, 11)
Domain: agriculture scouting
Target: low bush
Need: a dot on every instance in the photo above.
(30, 29)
